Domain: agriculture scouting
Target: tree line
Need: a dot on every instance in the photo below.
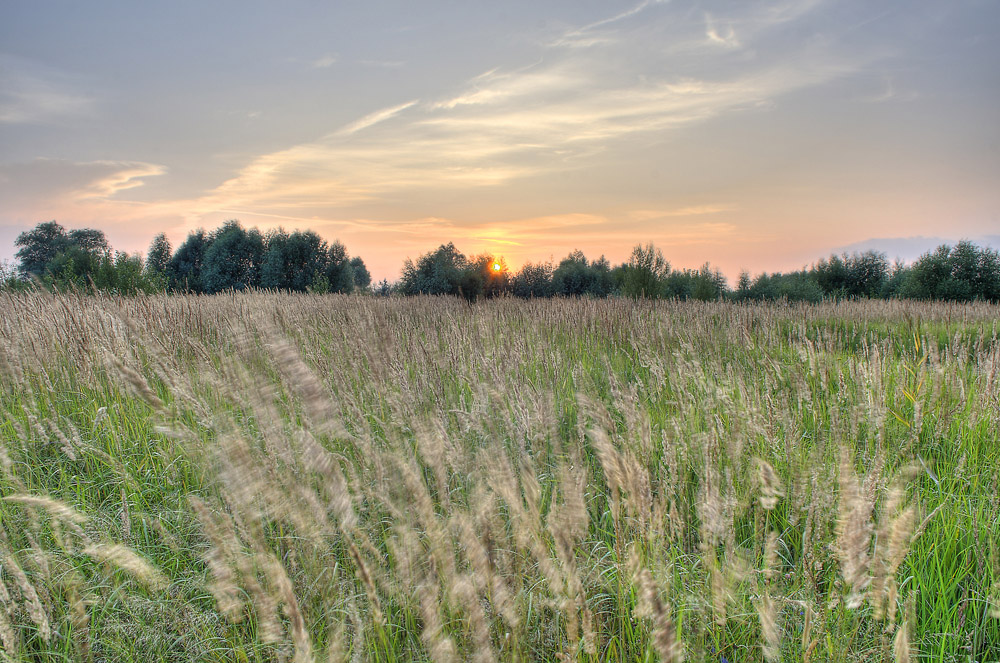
(228, 258)
(234, 258)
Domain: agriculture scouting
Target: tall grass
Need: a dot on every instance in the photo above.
(323, 478)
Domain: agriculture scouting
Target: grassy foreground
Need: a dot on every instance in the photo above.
(264, 477)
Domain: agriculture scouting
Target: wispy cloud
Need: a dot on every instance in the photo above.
(125, 176)
(326, 61)
(374, 118)
(33, 94)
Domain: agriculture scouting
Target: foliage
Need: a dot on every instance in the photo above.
(293, 262)
(439, 272)
(362, 277)
(339, 271)
(158, 256)
(964, 272)
(185, 266)
(645, 273)
(533, 280)
(233, 258)
(855, 275)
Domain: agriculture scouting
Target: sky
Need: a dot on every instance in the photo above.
(754, 135)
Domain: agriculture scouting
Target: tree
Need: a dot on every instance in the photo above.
(534, 280)
(574, 276)
(339, 273)
(645, 272)
(158, 256)
(437, 273)
(90, 240)
(185, 267)
(362, 277)
(39, 246)
(293, 262)
(233, 259)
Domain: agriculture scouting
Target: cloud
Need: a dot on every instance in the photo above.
(374, 118)
(325, 62)
(694, 210)
(725, 38)
(33, 94)
(126, 175)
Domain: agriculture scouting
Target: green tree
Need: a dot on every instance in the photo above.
(158, 256)
(645, 273)
(339, 273)
(233, 259)
(533, 280)
(439, 272)
(185, 266)
(39, 246)
(362, 277)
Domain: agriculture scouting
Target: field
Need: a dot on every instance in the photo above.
(265, 477)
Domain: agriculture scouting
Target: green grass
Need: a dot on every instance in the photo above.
(423, 479)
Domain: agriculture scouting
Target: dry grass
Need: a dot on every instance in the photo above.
(314, 478)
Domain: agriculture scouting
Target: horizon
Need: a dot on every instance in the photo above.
(755, 136)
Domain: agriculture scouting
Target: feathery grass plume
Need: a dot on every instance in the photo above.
(219, 560)
(650, 605)
(766, 611)
(135, 381)
(902, 647)
(33, 604)
(125, 559)
(717, 583)
(711, 508)
(439, 645)
(55, 507)
(278, 579)
(463, 587)
(768, 615)
(807, 642)
(8, 636)
(853, 533)
(769, 484)
(78, 615)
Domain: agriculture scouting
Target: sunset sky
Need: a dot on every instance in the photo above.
(758, 135)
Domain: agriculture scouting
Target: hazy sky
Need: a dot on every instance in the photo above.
(752, 134)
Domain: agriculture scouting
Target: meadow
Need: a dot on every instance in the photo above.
(295, 477)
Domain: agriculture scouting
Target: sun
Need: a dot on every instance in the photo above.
(496, 267)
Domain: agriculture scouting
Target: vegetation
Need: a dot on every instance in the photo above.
(233, 258)
(268, 477)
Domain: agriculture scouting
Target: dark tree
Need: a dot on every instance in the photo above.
(573, 276)
(339, 273)
(39, 246)
(437, 273)
(645, 273)
(90, 240)
(158, 256)
(185, 267)
(233, 259)
(534, 280)
(362, 277)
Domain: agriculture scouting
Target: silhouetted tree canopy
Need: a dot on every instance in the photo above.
(158, 256)
(232, 257)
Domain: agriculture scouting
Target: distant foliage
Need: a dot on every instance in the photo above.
(645, 273)
(158, 256)
(962, 273)
(362, 277)
(234, 258)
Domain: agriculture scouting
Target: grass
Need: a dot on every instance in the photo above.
(267, 477)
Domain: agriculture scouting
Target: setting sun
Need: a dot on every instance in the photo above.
(496, 267)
